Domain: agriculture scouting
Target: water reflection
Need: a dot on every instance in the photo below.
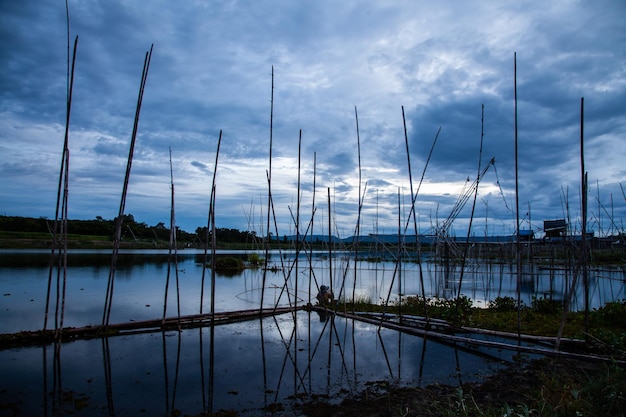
(271, 363)
(249, 366)
(140, 286)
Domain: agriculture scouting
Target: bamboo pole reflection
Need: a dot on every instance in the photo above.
(45, 381)
(312, 353)
(382, 345)
(165, 375)
(202, 384)
(106, 359)
(170, 407)
(263, 361)
(288, 355)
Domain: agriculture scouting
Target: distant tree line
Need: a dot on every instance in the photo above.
(224, 235)
(131, 229)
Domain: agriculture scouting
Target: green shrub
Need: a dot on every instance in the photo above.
(228, 264)
(546, 306)
(611, 313)
(454, 309)
(255, 259)
(504, 304)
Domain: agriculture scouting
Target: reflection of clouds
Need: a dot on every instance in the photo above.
(140, 363)
(359, 352)
(141, 285)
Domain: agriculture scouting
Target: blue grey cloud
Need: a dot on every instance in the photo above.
(211, 71)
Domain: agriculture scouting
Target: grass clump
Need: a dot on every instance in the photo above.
(228, 265)
(255, 259)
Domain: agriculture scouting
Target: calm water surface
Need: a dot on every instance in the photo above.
(245, 366)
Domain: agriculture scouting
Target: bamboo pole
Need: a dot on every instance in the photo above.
(357, 230)
(582, 263)
(445, 337)
(26, 338)
(330, 249)
(584, 186)
(213, 254)
(298, 244)
(311, 275)
(173, 251)
(269, 197)
(120, 218)
(412, 212)
(469, 227)
(208, 226)
(63, 172)
(519, 261)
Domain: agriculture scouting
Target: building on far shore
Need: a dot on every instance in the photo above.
(555, 228)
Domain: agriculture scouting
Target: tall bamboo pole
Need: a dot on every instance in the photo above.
(412, 212)
(330, 248)
(358, 222)
(61, 200)
(295, 298)
(269, 197)
(208, 226)
(173, 251)
(584, 187)
(120, 218)
(519, 260)
(298, 221)
(311, 275)
(469, 227)
(213, 254)
(312, 221)
(582, 262)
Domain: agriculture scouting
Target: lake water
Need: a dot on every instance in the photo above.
(245, 366)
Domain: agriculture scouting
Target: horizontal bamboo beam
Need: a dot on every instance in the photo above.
(447, 337)
(68, 334)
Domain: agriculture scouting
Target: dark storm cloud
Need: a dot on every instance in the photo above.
(211, 71)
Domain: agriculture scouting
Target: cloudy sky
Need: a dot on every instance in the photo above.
(211, 70)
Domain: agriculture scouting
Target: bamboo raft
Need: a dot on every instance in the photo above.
(69, 334)
(446, 333)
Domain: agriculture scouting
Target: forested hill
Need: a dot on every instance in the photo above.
(99, 229)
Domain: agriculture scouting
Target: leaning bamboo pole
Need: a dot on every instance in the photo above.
(173, 250)
(63, 173)
(106, 316)
(469, 227)
(412, 212)
(213, 254)
(208, 226)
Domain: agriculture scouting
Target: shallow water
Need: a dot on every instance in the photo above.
(245, 366)
(139, 292)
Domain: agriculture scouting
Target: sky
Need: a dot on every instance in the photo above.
(449, 66)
